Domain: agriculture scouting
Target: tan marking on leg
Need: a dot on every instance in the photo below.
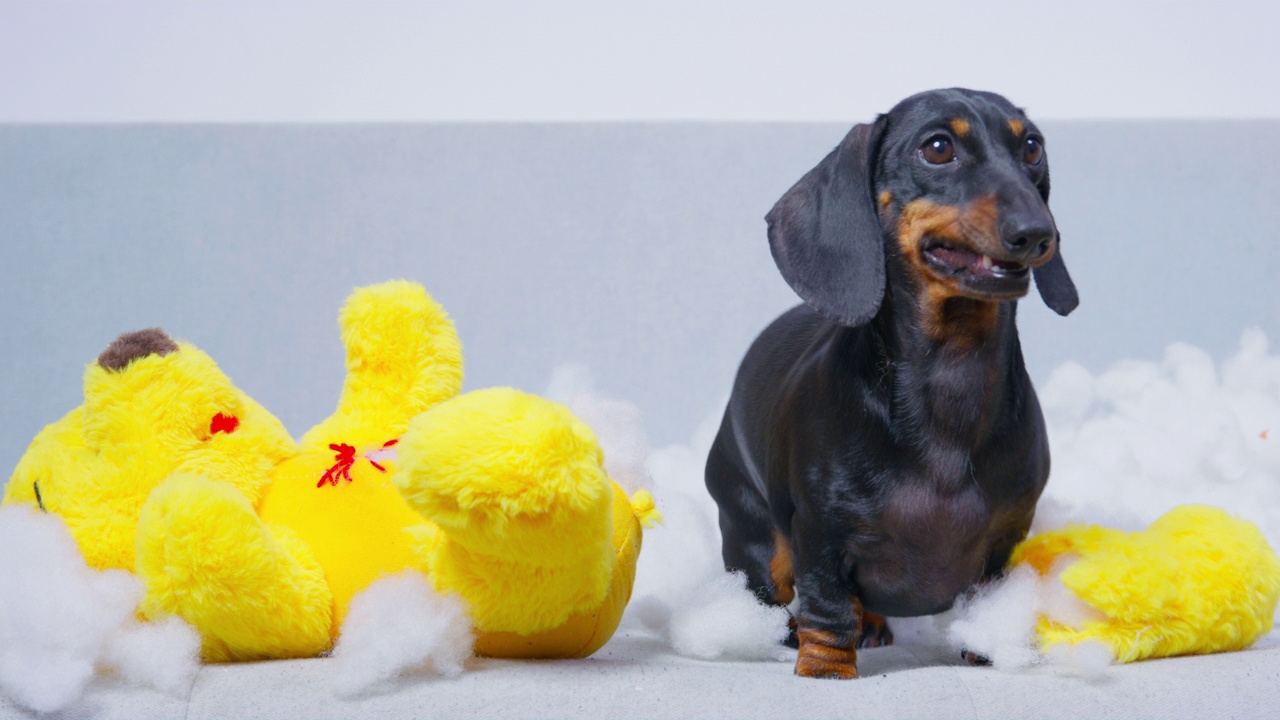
(781, 571)
(822, 655)
(960, 126)
(875, 631)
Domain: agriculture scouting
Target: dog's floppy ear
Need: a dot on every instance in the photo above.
(825, 234)
(1052, 279)
(1054, 283)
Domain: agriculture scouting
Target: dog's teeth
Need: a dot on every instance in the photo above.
(986, 262)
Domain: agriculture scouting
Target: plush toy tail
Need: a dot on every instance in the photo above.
(403, 357)
(645, 510)
(516, 486)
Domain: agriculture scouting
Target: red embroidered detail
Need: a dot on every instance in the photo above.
(386, 444)
(345, 458)
(224, 424)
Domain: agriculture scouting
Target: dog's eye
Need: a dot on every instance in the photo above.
(1032, 151)
(938, 150)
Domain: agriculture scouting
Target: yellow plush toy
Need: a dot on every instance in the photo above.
(1197, 581)
(510, 506)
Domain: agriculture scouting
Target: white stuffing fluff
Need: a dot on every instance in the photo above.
(722, 620)
(618, 425)
(400, 624)
(163, 655)
(61, 620)
(1089, 659)
(999, 621)
(1142, 437)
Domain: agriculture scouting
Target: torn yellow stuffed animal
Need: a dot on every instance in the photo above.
(1198, 580)
(262, 550)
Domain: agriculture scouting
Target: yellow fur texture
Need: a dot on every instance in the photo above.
(1197, 581)
(515, 483)
(97, 465)
(403, 356)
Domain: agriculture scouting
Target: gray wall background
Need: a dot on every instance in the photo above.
(637, 250)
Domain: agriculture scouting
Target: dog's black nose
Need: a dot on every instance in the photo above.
(1029, 241)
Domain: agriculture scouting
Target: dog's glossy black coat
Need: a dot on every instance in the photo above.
(891, 460)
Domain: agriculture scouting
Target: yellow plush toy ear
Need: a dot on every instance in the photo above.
(403, 357)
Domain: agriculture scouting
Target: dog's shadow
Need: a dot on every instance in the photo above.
(902, 657)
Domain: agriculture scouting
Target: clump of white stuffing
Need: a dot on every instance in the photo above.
(397, 625)
(60, 620)
(1142, 437)
(618, 426)
(163, 655)
(721, 619)
(998, 621)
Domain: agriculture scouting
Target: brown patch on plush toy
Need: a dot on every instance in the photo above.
(131, 346)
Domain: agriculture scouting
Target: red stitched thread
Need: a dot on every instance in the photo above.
(343, 461)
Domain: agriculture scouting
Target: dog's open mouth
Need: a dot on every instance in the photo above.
(952, 260)
(976, 272)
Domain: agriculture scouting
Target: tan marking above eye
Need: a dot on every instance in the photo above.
(885, 199)
(1016, 126)
(959, 126)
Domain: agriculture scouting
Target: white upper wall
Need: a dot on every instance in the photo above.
(580, 60)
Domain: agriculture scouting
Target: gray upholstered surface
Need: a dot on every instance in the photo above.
(637, 676)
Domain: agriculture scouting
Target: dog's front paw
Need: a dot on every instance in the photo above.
(822, 656)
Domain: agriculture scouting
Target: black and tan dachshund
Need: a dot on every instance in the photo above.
(883, 449)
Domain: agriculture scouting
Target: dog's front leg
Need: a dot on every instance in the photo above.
(827, 616)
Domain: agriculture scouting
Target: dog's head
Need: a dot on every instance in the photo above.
(953, 182)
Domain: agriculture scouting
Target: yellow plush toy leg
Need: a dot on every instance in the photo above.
(403, 356)
(251, 590)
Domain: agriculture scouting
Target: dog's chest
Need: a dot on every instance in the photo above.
(928, 546)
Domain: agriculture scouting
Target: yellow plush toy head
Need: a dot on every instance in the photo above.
(152, 407)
